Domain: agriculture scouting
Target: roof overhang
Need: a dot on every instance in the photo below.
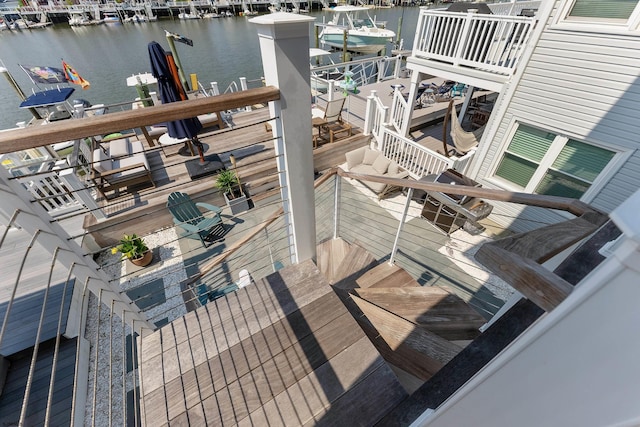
(474, 77)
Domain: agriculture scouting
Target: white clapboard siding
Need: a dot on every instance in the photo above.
(586, 86)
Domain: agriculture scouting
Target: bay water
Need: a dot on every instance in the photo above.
(223, 50)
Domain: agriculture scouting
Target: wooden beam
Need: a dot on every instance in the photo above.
(37, 136)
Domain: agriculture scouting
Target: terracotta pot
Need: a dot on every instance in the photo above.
(143, 260)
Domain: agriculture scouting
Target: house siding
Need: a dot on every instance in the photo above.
(585, 86)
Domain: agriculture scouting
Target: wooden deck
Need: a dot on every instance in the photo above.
(282, 351)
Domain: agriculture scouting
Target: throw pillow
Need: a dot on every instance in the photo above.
(381, 164)
(393, 168)
(370, 156)
(354, 158)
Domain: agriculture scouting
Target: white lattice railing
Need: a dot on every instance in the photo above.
(492, 43)
(413, 157)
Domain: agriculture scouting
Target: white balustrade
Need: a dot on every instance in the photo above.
(492, 43)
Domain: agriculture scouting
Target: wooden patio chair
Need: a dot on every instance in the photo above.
(190, 219)
(333, 122)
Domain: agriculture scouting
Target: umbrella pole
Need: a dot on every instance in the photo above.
(200, 148)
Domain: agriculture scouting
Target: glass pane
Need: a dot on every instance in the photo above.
(611, 9)
(530, 143)
(516, 169)
(556, 183)
(582, 160)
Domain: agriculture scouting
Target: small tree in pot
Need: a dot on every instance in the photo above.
(229, 184)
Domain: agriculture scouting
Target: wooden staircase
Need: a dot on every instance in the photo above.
(415, 328)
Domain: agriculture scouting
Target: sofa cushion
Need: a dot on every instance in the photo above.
(393, 168)
(363, 169)
(119, 147)
(381, 164)
(354, 157)
(370, 156)
(101, 162)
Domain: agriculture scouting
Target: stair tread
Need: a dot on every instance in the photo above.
(386, 275)
(416, 350)
(356, 260)
(431, 307)
(330, 254)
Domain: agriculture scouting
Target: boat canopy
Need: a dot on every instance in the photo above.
(47, 97)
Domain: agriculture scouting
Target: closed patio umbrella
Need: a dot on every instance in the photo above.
(170, 92)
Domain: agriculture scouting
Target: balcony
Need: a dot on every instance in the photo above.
(485, 46)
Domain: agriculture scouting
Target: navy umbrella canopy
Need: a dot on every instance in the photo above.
(169, 92)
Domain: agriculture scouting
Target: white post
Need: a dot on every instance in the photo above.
(330, 90)
(369, 111)
(243, 86)
(465, 104)
(416, 78)
(400, 225)
(336, 205)
(214, 89)
(284, 44)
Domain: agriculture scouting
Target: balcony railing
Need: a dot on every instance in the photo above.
(492, 43)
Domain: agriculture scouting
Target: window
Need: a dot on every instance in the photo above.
(544, 163)
(608, 9)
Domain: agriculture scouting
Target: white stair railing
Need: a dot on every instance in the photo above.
(411, 156)
(399, 107)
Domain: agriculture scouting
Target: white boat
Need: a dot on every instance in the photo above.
(364, 35)
(111, 18)
(189, 15)
(77, 19)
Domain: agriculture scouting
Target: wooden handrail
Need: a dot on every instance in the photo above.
(573, 206)
(37, 136)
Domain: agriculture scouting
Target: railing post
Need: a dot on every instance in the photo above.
(369, 112)
(330, 90)
(243, 86)
(396, 68)
(81, 193)
(215, 90)
(464, 37)
(336, 206)
(283, 37)
(400, 225)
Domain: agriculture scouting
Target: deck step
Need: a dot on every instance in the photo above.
(386, 275)
(430, 307)
(356, 261)
(402, 343)
(331, 253)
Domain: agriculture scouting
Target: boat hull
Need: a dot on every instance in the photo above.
(357, 41)
(366, 44)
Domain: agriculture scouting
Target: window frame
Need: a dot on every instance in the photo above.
(596, 25)
(620, 154)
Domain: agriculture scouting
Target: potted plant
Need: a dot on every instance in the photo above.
(134, 249)
(229, 184)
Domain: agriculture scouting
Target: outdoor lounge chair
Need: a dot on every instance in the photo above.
(333, 122)
(190, 219)
(463, 141)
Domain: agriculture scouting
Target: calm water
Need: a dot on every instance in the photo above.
(105, 55)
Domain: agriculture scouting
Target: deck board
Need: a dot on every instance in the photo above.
(252, 349)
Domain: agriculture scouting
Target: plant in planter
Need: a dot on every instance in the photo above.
(134, 249)
(229, 184)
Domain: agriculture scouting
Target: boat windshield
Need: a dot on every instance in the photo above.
(366, 22)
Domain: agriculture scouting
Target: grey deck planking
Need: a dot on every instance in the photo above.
(11, 399)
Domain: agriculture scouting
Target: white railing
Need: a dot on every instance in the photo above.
(513, 8)
(376, 116)
(399, 108)
(462, 163)
(411, 156)
(492, 43)
(363, 71)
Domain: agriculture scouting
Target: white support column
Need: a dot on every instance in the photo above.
(244, 86)
(416, 78)
(368, 115)
(465, 104)
(214, 89)
(284, 44)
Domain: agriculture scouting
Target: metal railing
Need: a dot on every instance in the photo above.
(362, 71)
(493, 43)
